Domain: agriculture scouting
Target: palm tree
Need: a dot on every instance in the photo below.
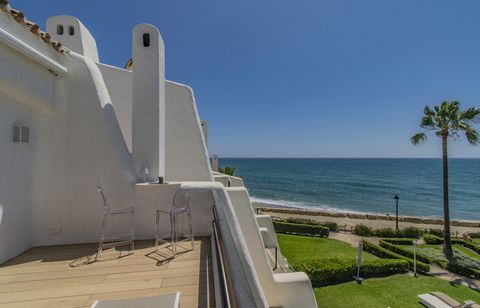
(228, 170)
(447, 120)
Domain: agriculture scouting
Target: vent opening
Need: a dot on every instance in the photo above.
(146, 40)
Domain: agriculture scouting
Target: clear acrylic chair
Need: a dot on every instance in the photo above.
(115, 239)
(180, 207)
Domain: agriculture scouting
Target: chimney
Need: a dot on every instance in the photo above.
(148, 109)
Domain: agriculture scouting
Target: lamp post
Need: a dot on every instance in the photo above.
(397, 198)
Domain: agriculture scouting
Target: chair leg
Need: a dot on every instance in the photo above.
(132, 232)
(172, 234)
(191, 227)
(102, 235)
(157, 230)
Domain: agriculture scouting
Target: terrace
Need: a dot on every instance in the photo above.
(69, 276)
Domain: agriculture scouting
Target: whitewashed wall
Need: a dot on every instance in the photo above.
(81, 136)
(186, 152)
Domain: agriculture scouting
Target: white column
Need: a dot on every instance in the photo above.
(148, 111)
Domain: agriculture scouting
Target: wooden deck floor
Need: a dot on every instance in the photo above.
(68, 276)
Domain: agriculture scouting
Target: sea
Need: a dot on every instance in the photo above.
(363, 185)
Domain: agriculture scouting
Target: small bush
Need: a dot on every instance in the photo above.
(387, 232)
(432, 239)
(404, 252)
(363, 230)
(436, 232)
(333, 271)
(413, 232)
(385, 253)
(332, 226)
(313, 230)
(399, 241)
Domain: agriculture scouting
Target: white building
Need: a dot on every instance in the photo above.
(69, 123)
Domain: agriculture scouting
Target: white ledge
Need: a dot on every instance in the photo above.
(19, 45)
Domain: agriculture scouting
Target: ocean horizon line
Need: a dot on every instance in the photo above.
(265, 157)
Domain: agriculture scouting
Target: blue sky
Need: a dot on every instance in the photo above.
(317, 78)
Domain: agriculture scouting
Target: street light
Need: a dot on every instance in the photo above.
(397, 198)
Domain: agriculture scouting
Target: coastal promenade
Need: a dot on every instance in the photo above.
(347, 220)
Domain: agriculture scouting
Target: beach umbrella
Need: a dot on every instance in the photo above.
(359, 261)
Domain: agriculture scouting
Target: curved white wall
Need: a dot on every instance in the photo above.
(186, 152)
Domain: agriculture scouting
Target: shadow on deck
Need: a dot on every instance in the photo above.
(70, 275)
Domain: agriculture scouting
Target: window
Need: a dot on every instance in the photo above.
(71, 30)
(21, 134)
(17, 133)
(25, 135)
(146, 40)
(60, 30)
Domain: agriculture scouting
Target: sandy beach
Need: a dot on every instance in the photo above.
(350, 219)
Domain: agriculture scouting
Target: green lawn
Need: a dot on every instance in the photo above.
(394, 291)
(298, 248)
(476, 240)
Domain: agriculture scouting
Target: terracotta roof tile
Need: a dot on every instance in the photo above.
(19, 17)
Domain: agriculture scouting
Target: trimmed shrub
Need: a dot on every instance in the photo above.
(410, 232)
(332, 226)
(363, 230)
(385, 253)
(432, 239)
(463, 269)
(399, 241)
(404, 252)
(387, 232)
(313, 230)
(466, 244)
(436, 232)
(333, 271)
(413, 232)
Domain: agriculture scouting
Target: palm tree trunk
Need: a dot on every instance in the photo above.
(447, 242)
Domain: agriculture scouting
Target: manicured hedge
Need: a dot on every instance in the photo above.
(409, 232)
(464, 243)
(363, 230)
(313, 230)
(399, 241)
(412, 232)
(404, 252)
(432, 239)
(333, 271)
(332, 226)
(462, 269)
(385, 253)
(436, 232)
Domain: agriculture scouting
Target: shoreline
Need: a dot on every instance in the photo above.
(350, 219)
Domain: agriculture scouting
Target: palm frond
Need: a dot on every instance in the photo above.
(472, 135)
(471, 114)
(418, 139)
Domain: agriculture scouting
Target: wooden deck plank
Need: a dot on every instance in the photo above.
(59, 302)
(45, 277)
